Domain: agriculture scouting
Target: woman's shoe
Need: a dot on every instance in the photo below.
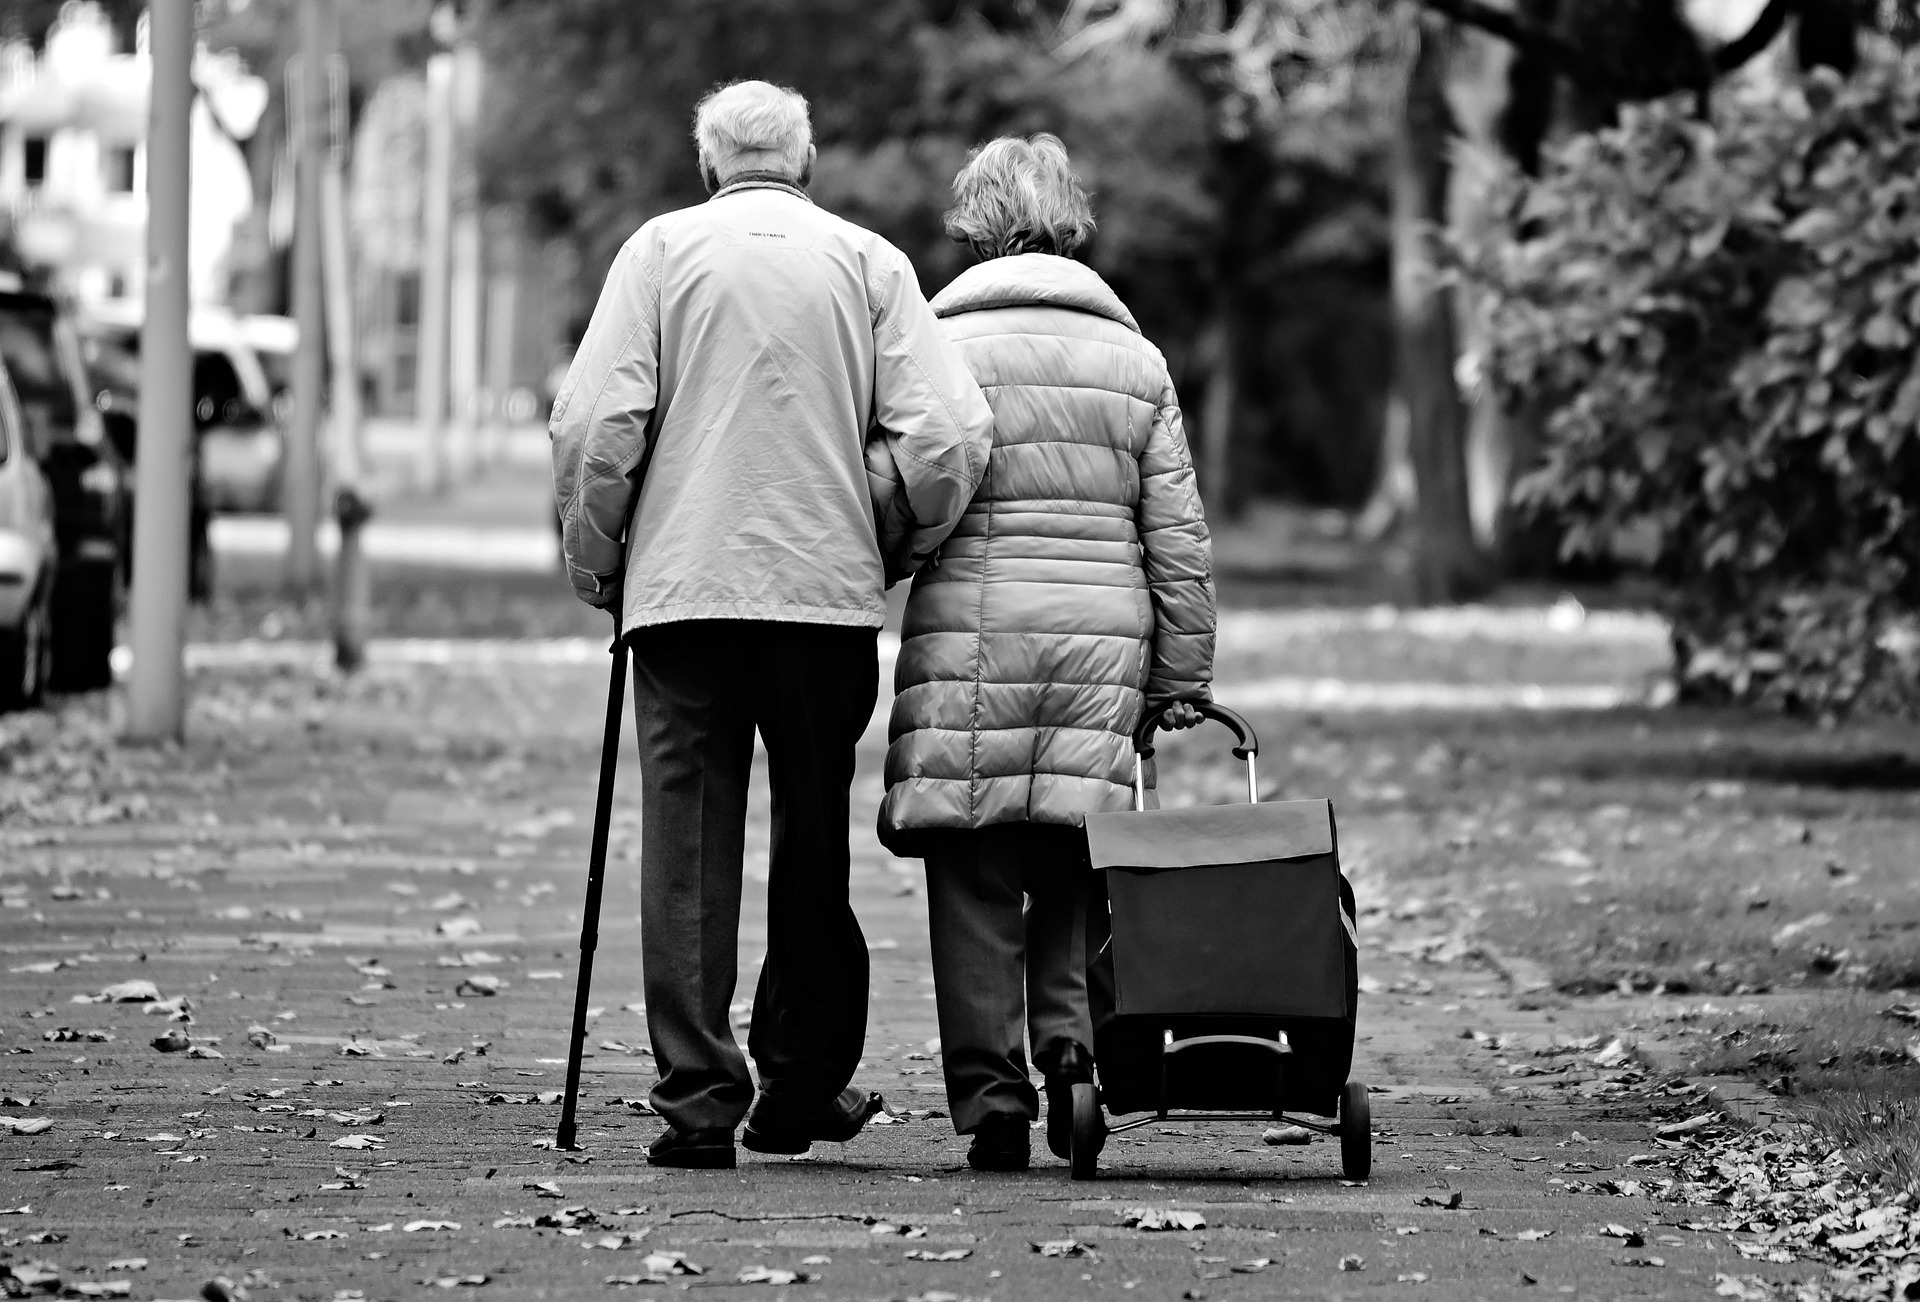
(1072, 1065)
(1000, 1143)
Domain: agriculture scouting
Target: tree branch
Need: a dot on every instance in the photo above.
(1535, 40)
(1757, 38)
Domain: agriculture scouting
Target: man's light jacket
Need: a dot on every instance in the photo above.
(709, 444)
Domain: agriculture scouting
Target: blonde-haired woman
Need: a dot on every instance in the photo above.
(1075, 595)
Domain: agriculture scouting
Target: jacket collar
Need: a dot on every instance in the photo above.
(759, 181)
(1032, 280)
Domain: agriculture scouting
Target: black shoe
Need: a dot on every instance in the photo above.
(1000, 1143)
(774, 1128)
(1072, 1065)
(698, 1150)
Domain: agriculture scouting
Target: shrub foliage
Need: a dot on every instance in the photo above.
(1717, 322)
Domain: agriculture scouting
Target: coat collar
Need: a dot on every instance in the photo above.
(1032, 280)
(759, 181)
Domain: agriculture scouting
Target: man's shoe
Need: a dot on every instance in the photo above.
(1072, 1065)
(1000, 1143)
(773, 1128)
(697, 1150)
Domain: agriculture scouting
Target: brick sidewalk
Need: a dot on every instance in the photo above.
(352, 869)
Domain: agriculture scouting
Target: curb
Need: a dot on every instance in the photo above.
(1738, 1100)
(1744, 1102)
(1523, 974)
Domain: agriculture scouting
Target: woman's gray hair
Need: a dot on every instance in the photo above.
(1019, 196)
(753, 126)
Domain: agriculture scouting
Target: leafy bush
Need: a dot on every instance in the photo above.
(1718, 322)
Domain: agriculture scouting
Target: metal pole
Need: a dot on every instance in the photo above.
(157, 687)
(596, 875)
(307, 106)
(466, 285)
(430, 389)
(351, 584)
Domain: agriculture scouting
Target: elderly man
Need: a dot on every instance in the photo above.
(710, 465)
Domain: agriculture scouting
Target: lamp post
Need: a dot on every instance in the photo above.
(156, 688)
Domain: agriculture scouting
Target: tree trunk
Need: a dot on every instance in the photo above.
(1447, 563)
(1217, 415)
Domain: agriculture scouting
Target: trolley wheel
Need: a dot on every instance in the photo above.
(1356, 1132)
(1089, 1131)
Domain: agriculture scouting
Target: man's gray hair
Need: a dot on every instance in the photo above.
(753, 126)
(1019, 196)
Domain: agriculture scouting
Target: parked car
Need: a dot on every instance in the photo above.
(29, 559)
(91, 481)
(113, 373)
(241, 447)
(275, 340)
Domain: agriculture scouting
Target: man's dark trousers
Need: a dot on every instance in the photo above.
(700, 690)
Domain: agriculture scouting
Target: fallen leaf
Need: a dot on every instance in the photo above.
(128, 992)
(770, 1275)
(1692, 1125)
(1413, 1277)
(1533, 1236)
(128, 1263)
(456, 1281)
(1286, 1135)
(928, 1254)
(358, 1141)
(172, 1042)
(670, 1263)
(1353, 1261)
(479, 985)
(1452, 1202)
(1643, 1261)
(413, 1227)
(1063, 1248)
(27, 1125)
(312, 1235)
(1616, 1053)
(1628, 1237)
(1160, 1218)
(1253, 1267)
(109, 1288)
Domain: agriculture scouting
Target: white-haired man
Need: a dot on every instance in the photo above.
(710, 466)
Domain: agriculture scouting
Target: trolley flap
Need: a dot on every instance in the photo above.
(1211, 834)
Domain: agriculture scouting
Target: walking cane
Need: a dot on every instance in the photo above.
(596, 875)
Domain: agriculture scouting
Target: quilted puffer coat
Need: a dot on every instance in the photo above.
(1077, 589)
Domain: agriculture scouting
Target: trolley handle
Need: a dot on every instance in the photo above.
(1243, 733)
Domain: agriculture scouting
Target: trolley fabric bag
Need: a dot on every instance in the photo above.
(1225, 927)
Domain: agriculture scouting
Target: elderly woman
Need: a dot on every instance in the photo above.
(1075, 595)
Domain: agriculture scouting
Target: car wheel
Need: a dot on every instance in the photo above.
(25, 653)
(85, 605)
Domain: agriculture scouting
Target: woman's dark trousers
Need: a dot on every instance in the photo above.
(988, 950)
(701, 688)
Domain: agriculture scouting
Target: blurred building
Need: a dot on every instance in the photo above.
(520, 316)
(73, 121)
